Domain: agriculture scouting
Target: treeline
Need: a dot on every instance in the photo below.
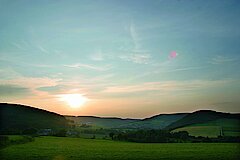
(164, 136)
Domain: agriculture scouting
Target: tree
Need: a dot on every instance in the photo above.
(111, 134)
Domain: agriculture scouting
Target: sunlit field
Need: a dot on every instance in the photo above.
(77, 148)
(228, 127)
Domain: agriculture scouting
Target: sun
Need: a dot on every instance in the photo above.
(73, 100)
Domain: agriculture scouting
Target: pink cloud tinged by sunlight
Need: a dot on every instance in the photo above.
(173, 55)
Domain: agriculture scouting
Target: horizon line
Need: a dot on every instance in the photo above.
(113, 117)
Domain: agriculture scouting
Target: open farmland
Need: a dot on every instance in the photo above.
(78, 148)
(225, 127)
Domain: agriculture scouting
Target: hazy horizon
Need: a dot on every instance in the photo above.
(139, 118)
(128, 59)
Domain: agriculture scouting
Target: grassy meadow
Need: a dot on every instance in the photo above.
(205, 131)
(228, 127)
(64, 148)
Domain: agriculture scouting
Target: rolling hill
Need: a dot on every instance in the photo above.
(155, 122)
(215, 128)
(201, 116)
(100, 121)
(199, 123)
(15, 118)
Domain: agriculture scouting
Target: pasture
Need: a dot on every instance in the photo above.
(227, 127)
(64, 148)
(205, 131)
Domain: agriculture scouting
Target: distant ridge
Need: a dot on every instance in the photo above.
(104, 117)
(155, 122)
(15, 118)
(158, 115)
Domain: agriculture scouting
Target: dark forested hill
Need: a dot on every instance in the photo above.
(16, 118)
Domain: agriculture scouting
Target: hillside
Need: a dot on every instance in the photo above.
(219, 127)
(161, 121)
(16, 118)
(155, 122)
(201, 116)
(100, 121)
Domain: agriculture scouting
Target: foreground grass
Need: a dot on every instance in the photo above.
(57, 148)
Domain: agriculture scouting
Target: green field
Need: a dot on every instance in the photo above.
(57, 148)
(205, 131)
(229, 127)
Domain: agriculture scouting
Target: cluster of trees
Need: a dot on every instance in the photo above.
(164, 136)
(150, 136)
(97, 130)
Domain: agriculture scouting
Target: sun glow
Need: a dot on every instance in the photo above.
(73, 100)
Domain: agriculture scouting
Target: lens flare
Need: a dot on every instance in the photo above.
(173, 55)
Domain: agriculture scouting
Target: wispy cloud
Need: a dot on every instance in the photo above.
(18, 45)
(163, 70)
(166, 86)
(135, 54)
(179, 69)
(137, 58)
(23, 45)
(42, 49)
(13, 90)
(222, 59)
(134, 36)
(32, 82)
(89, 66)
(136, 39)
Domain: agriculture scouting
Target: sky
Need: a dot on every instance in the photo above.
(124, 58)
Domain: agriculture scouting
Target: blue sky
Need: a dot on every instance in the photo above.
(117, 54)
